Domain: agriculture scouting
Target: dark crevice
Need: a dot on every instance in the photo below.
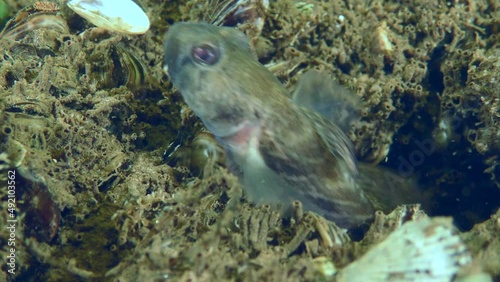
(436, 83)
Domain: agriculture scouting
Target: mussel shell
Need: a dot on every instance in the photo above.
(133, 68)
(37, 16)
(23, 50)
(42, 213)
(249, 15)
(203, 150)
(236, 12)
(120, 67)
(117, 15)
(29, 108)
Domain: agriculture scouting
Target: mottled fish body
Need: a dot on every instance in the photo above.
(283, 152)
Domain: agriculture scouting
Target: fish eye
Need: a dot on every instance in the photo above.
(206, 54)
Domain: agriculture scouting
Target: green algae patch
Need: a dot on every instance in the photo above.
(4, 12)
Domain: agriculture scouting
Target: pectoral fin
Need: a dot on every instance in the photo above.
(334, 139)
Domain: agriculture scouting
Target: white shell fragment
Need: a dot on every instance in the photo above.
(116, 15)
(423, 250)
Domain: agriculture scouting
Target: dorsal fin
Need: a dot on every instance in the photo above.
(318, 92)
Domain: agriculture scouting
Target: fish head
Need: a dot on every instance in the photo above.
(217, 75)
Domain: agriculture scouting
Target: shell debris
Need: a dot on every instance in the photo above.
(422, 250)
(381, 41)
(117, 15)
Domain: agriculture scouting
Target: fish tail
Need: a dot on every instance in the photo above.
(386, 189)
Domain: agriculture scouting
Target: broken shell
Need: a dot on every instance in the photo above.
(116, 15)
(422, 250)
(324, 266)
(381, 40)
